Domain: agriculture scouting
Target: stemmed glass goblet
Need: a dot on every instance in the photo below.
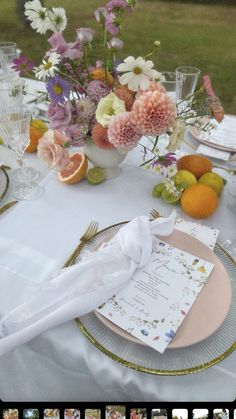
(11, 97)
(14, 127)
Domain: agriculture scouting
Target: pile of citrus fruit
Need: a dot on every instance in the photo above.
(197, 188)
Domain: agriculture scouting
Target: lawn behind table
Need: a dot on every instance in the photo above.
(194, 34)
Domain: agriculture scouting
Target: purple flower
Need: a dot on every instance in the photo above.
(97, 89)
(72, 50)
(77, 133)
(60, 116)
(58, 89)
(117, 4)
(112, 24)
(85, 35)
(115, 43)
(100, 14)
(23, 65)
(84, 110)
(165, 160)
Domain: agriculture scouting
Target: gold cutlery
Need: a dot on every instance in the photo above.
(7, 206)
(88, 234)
(154, 213)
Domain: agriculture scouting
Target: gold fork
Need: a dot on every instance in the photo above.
(154, 213)
(88, 234)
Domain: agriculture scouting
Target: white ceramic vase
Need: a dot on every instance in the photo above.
(106, 159)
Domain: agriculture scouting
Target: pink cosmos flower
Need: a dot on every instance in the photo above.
(112, 25)
(60, 116)
(72, 50)
(154, 113)
(85, 35)
(115, 43)
(51, 149)
(123, 133)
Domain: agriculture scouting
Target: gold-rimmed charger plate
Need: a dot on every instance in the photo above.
(4, 182)
(173, 362)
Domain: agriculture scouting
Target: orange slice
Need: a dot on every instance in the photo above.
(37, 129)
(76, 169)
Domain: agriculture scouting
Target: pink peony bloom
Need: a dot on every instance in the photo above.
(154, 113)
(72, 50)
(85, 35)
(51, 150)
(60, 116)
(123, 133)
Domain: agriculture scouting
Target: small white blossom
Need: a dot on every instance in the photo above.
(48, 68)
(170, 187)
(159, 169)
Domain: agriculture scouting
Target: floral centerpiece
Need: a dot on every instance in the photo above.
(106, 106)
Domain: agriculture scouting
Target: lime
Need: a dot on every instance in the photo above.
(184, 178)
(96, 175)
(1, 140)
(170, 198)
(213, 180)
(157, 190)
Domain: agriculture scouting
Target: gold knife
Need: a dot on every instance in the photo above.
(7, 206)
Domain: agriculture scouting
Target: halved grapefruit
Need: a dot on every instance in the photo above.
(76, 169)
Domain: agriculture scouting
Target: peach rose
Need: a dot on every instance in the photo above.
(51, 149)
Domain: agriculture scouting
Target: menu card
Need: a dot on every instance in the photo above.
(159, 296)
(206, 235)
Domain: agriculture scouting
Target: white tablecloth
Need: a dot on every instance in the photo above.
(36, 237)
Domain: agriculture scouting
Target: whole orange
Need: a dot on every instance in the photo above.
(199, 201)
(198, 165)
(37, 129)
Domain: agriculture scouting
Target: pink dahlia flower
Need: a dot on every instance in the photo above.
(51, 149)
(154, 85)
(154, 113)
(123, 133)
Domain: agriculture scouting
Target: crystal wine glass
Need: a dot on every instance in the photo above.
(11, 97)
(14, 127)
(172, 83)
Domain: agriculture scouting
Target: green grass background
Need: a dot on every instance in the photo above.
(190, 34)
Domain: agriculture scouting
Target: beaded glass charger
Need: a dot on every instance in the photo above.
(175, 361)
(4, 182)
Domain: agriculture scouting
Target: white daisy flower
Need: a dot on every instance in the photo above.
(38, 15)
(159, 169)
(48, 68)
(58, 19)
(138, 73)
(171, 170)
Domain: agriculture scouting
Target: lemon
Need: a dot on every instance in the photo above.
(170, 198)
(157, 190)
(184, 178)
(213, 180)
(96, 175)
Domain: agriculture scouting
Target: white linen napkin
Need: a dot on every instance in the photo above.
(81, 288)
